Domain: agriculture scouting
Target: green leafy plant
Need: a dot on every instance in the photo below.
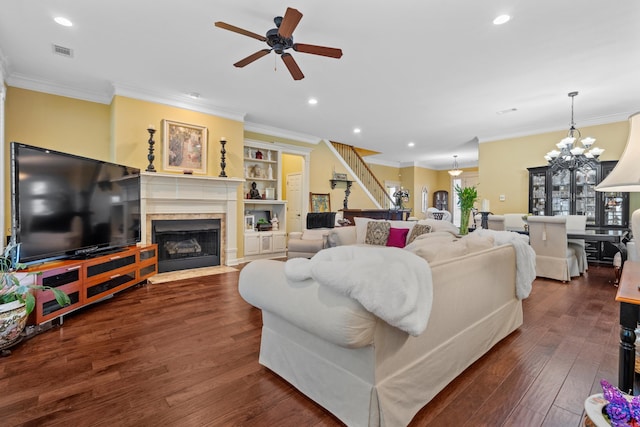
(467, 196)
(12, 288)
(262, 221)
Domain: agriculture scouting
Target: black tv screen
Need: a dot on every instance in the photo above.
(65, 205)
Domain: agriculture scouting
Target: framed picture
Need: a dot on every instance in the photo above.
(249, 223)
(184, 147)
(319, 202)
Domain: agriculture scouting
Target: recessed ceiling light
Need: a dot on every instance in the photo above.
(63, 21)
(508, 110)
(501, 19)
(312, 101)
(356, 130)
(194, 95)
(411, 144)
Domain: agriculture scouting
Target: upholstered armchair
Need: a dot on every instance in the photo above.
(305, 244)
(554, 258)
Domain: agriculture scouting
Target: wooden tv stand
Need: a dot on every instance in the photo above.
(89, 280)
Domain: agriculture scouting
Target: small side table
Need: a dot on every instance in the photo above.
(484, 222)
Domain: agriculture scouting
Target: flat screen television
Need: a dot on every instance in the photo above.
(63, 205)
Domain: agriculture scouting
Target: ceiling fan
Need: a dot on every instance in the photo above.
(280, 39)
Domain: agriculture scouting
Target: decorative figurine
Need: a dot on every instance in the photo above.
(254, 193)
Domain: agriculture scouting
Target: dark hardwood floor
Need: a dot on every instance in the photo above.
(186, 354)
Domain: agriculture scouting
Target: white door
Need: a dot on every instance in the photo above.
(294, 202)
(464, 180)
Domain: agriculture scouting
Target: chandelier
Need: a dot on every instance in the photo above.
(456, 170)
(571, 157)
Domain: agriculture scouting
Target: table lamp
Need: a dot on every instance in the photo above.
(625, 176)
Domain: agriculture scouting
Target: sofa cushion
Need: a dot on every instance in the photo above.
(377, 233)
(361, 226)
(417, 230)
(397, 237)
(428, 245)
(440, 225)
(478, 243)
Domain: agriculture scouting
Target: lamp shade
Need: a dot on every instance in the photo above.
(626, 175)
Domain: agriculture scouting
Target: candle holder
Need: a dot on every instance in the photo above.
(151, 157)
(223, 164)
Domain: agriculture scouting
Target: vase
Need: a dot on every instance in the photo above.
(13, 319)
(464, 221)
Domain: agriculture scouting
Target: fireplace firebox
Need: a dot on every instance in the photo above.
(186, 243)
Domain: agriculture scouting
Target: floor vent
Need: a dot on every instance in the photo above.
(64, 51)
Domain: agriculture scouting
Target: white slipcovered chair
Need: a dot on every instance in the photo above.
(433, 213)
(305, 244)
(578, 224)
(514, 221)
(554, 258)
(495, 222)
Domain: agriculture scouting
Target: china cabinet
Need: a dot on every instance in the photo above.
(572, 192)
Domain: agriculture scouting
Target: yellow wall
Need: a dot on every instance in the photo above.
(131, 117)
(503, 164)
(56, 122)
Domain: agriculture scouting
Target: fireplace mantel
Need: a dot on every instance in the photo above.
(175, 195)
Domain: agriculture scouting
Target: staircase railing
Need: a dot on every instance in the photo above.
(364, 174)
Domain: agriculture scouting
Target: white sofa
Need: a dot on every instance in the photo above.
(360, 368)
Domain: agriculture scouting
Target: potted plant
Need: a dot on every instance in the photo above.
(17, 300)
(467, 196)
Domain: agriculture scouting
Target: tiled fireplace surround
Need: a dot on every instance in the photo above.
(173, 196)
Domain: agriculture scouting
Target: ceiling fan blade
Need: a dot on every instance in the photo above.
(238, 30)
(289, 22)
(291, 64)
(249, 59)
(331, 52)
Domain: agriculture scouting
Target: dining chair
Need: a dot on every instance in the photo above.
(495, 222)
(554, 258)
(578, 223)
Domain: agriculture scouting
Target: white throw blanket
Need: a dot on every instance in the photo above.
(525, 257)
(391, 283)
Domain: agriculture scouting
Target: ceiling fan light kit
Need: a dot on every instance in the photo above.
(280, 39)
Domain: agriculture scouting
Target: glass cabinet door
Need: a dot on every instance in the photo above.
(561, 192)
(538, 201)
(613, 214)
(614, 205)
(585, 194)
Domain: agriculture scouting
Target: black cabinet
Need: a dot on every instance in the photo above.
(441, 200)
(572, 192)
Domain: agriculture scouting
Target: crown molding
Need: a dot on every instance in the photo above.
(45, 86)
(178, 101)
(594, 121)
(281, 133)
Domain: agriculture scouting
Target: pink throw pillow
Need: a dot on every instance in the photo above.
(397, 237)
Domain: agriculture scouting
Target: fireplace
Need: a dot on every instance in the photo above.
(186, 243)
(192, 197)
